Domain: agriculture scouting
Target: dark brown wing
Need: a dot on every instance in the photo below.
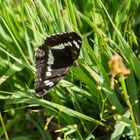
(54, 58)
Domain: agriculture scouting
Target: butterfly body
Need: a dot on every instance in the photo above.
(53, 60)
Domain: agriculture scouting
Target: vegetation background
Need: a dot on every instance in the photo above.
(83, 106)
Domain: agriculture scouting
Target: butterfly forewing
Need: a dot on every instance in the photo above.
(54, 58)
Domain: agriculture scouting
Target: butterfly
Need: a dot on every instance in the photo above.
(54, 58)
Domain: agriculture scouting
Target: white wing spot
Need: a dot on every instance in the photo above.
(49, 68)
(69, 44)
(79, 41)
(48, 83)
(51, 84)
(45, 91)
(50, 62)
(76, 44)
(50, 58)
(65, 44)
(48, 73)
(60, 46)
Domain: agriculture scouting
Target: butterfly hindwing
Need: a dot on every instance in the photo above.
(54, 58)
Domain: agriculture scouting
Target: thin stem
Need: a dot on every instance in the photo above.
(129, 105)
(5, 132)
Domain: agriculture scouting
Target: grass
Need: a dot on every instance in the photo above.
(95, 100)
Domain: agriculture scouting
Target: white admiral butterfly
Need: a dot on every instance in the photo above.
(54, 58)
